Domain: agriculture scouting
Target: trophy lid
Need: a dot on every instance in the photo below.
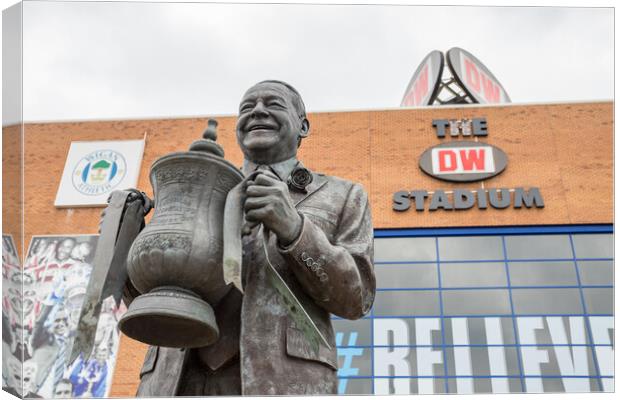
(208, 142)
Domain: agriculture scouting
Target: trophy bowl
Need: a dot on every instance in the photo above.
(176, 261)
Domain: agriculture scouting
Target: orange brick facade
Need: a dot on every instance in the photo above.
(566, 150)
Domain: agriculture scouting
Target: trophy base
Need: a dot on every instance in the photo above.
(170, 317)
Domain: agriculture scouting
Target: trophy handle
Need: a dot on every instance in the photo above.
(117, 284)
(121, 222)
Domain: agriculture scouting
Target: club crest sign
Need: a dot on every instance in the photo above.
(94, 169)
(99, 172)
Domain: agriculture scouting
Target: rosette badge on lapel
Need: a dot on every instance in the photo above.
(299, 179)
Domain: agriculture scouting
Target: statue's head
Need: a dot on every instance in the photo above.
(272, 122)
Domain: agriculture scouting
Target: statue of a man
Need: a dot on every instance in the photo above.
(320, 243)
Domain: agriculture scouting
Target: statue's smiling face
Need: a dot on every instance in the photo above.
(269, 126)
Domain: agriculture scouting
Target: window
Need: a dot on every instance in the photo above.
(490, 310)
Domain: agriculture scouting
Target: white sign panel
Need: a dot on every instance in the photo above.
(94, 169)
(462, 160)
(483, 85)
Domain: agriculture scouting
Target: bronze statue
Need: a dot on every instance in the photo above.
(303, 233)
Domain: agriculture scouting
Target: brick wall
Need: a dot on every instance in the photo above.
(564, 149)
(11, 182)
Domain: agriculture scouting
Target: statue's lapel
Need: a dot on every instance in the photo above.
(318, 181)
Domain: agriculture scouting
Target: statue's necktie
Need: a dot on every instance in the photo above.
(268, 170)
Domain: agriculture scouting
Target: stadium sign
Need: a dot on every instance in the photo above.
(464, 199)
(475, 78)
(424, 83)
(463, 161)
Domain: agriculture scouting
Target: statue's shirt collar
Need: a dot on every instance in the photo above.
(282, 169)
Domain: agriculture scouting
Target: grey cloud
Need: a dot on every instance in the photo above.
(121, 60)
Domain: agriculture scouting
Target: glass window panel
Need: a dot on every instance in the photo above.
(602, 329)
(355, 386)
(474, 274)
(596, 272)
(470, 248)
(485, 385)
(605, 358)
(511, 358)
(427, 361)
(552, 385)
(570, 385)
(482, 361)
(424, 355)
(405, 249)
(409, 386)
(594, 385)
(479, 331)
(406, 275)
(569, 353)
(499, 385)
(498, 362)
(552, 330)
(416, 361)
(402, 331)
(461, 385)
(361, 327)
(475, 302)
(538, 246)
(547, 301)
(540, 273)
(599, 301)
(410, 303)
(594, 246)
(429, 386)
(544, 361)
(581, 385)
(608, 384)
(354, 361)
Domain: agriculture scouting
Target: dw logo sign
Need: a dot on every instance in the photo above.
(463, 161)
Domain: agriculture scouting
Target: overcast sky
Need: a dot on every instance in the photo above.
(125, 60)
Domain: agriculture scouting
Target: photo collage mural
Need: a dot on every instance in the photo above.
(39, 328)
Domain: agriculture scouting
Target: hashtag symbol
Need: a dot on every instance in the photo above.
(348, 353)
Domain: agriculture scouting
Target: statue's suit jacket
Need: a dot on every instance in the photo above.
(329, 268)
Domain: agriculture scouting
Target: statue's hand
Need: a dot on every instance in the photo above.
(136, 195)
(268, 202)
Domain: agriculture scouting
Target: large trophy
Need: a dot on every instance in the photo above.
(176, 260)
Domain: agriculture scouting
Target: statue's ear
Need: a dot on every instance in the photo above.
(305, 128)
